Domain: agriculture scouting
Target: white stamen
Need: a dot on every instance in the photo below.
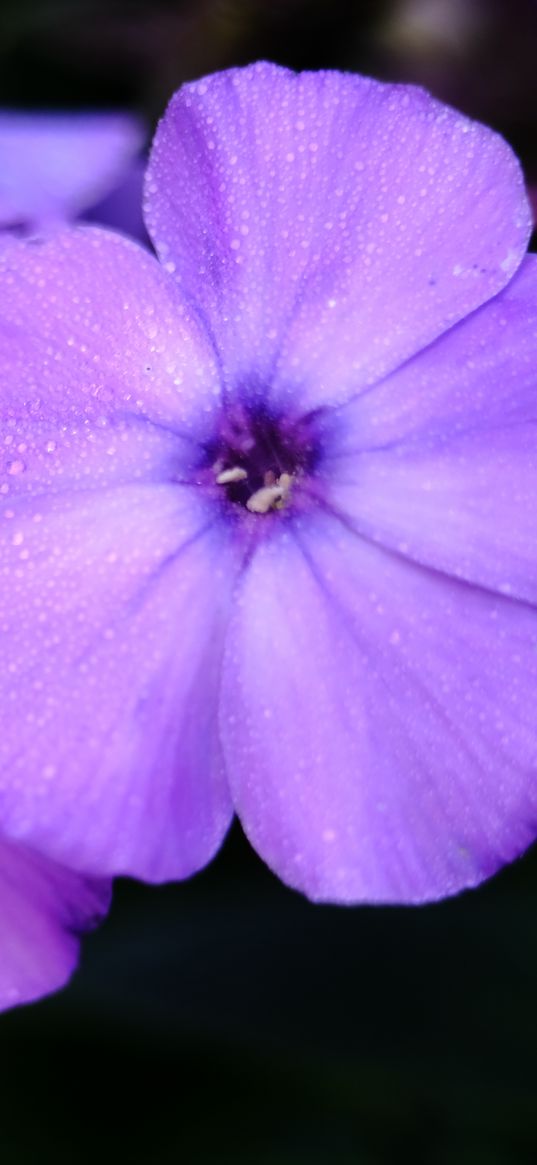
(227, 476)
(270, 497)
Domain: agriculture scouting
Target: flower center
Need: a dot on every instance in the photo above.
(258, 459)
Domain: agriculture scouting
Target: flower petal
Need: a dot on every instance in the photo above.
(439, 461)
(331, 226)
(44, 908)
(116, 577)
(92, 328)
(54, 165)
(113, 609)
(378, 720)
(121, 208)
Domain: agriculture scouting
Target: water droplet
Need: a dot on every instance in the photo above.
(16, 467)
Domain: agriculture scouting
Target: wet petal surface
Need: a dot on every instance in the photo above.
(378, 720)
(116, 577)
(329, 225)
(92, 330)
(113, 611)
(439, 461)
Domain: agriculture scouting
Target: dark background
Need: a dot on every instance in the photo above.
(226, 1019)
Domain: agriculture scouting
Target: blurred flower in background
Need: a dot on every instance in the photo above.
(122, 207)
(59, 166)
(44, 908)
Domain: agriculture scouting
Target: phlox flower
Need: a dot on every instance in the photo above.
(55, 167)
(267, 507)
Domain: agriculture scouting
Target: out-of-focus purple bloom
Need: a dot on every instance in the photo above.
(121, 208)
(268, 505)
(43, 909)
(56, 166)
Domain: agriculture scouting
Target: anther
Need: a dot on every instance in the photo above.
(271, 497)
(228, 476)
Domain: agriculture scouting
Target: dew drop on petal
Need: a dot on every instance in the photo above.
(16, 467)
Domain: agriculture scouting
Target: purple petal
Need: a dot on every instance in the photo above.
(378, 720)
(113, 614)
(121, 208)
(44, 908)
(439, 461)
(92, 329)
(54, 165)
(331, 226)
(117, 578)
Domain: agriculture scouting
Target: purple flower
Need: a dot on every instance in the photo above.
(121, 207)
(268, 506)
(55, 166)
